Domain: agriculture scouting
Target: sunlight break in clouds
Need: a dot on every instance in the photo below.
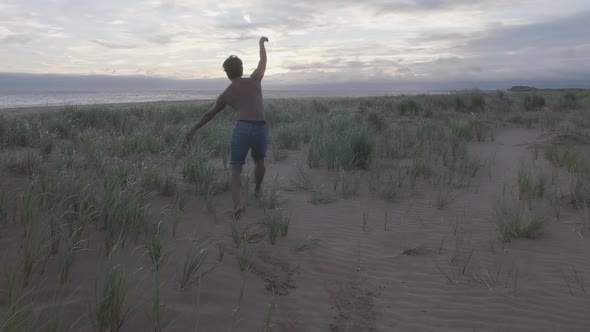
(310, 41)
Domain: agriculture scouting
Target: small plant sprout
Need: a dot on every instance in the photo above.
(220, 251)
(236, 233)
(245, 256)
(574, 278)
(272, 197)
(193, 260)
(268, 325)
(524, 182)
(154, 247)
(443, 198)
(274, 229)
(110, 312)
(285, 222)
(157, 314)
(540, 186)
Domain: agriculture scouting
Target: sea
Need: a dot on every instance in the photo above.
(27, 99)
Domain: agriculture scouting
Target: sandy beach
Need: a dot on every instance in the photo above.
(442, 218)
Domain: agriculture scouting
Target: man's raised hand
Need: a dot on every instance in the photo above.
(263, 39)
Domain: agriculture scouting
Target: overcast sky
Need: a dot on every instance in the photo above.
(310, 41)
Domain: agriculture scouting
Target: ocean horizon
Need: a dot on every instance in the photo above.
(25, 99)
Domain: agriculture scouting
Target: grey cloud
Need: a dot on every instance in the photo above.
(346, 65)
(16, 39)
(404, 71)
(541, 36)
(162, 39)
(113, 45)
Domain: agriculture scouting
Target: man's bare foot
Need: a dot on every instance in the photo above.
(258, 194)
(237, 212)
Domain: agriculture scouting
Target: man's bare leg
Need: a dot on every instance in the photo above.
(236, 190)
(259, 171)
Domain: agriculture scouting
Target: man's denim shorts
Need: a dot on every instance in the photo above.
(248, 135)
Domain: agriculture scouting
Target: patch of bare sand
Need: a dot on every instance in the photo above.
(359, 280)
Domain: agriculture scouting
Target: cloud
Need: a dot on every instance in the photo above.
(539, 36)
(162, 39)
(16, 39)
(311, 41)
(113, 45)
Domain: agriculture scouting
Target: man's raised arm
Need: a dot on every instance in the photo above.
(259, 71)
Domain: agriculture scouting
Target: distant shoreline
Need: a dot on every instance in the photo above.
(50, 108)
(40, 109)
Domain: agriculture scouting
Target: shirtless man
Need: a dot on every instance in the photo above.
(244, 95)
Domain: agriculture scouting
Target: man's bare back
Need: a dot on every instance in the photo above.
(244, 95)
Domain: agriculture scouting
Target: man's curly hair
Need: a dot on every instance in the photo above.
(233, 67)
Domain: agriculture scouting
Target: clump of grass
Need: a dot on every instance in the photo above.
(34, 248)
(571, 161)
(167, 185)
(389, 189)
(179, 198)
(3, 210)
(376, 122)
(68, 256)
(277, 153)
(408, 106)
(274, 229)
(154, 247)
(236, 233)
(220, 251)
(555, 204)
(513, 223)
(18, 312)
(46, 144)
(577, 278)
(272, 196)
(347, 184)
(287, 136)
(29, 164)
(552, 154)
(534, 102)
(420, 167)
(193, 260)
(442, 198)
(158, 314)
(342, 144)
(123, 211)
(208, 193)
(300, 180)
(540, 185)
(470, 167)
(26, 215)
(244, 256)
(110, 313)
(198, 171)
(524, 182)
(277, 222)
